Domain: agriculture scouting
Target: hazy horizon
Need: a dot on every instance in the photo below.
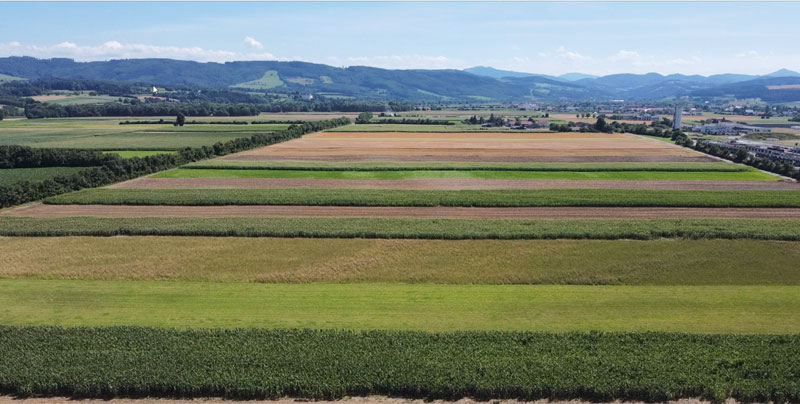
(540, 38)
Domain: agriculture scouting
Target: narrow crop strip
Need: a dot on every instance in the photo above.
(453, 229)
(373, 197)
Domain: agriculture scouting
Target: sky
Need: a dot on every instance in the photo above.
(546, 38)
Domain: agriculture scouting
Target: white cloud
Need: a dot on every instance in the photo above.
(399, 62)
(116, 50)
(251, 42)
(624, 55)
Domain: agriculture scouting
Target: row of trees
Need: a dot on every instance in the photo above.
(112, 168)
(48, 110)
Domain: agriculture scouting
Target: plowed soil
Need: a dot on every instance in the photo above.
(41, 210)
(472, 146)
(450, 184)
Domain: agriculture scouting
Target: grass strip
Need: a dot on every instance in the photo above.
(399, 306)
(448, 165)
(407, 228)
(302, 260)
(481, 198)
(477, 174)
(317, 364)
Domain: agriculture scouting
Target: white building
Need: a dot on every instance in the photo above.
(676, 119)
(728, 129)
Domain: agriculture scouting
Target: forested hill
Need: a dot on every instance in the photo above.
(275, 76)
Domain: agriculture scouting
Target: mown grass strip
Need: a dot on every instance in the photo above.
(477, 174)
(400, 306)
(610, 229)
(232, 164)
(374, 197)
(298, 260)
(317, 364)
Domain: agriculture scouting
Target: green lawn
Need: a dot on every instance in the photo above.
(692, 309)
(12, 175)
(751, 175)
(374, 197)
(607, 229)
(656, 262)
(231, 163)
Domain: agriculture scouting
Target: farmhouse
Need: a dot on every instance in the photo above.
(728, 128)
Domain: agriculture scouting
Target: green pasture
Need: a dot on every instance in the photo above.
(751, 175)
(427, 307)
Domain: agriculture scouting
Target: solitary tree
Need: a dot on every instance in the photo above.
(180, 120)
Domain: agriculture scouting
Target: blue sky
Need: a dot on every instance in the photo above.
(549, 38)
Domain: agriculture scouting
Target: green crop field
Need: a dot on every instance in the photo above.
(592, 262)
(84, 99)
(107, 134)
(750, 175)
(324, 364)
(12, 175)
(269, 80)
(508, 229)
(428, 307)
(373, 197)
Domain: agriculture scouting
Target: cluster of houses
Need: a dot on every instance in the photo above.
(770, 151)
(728, 129)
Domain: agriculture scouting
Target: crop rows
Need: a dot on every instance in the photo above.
(607, 229)
(372, 197)
(257, 363)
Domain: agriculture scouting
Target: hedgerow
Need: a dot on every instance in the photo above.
(113, 168)
(329, 364)
(476, 198)
(407, 228)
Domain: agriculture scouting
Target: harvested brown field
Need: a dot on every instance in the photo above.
(41, 210)
(451, 184)
(483, 159)
(45, 98)
(470, 146)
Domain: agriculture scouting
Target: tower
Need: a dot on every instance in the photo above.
(676, 120)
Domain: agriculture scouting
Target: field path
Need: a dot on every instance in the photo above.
(42, 210)
(451, 184)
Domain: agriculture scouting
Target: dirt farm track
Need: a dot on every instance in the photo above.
(41, 210)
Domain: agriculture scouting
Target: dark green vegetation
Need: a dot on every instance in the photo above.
(459, 166)
(611, 229)
(10, 176)
(367, 261)
(751, 175)
(372, 197)
(396, 306)
(249, 364)
(113, 168)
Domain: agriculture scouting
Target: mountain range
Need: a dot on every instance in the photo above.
(477, 84)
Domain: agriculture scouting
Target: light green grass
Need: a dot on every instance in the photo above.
(269, 80)
(692, 309)
(84, 99)
(126, 154)
(232, 163)
(11, 175)
(4, 78)
(292, 260)
(611, 229)
(498, 175)
(375, 197)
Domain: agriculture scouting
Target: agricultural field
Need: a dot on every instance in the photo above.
(108, 134)
(12, 175)
(412, 263)
(75, 99)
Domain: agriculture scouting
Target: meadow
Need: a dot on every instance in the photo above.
(393, 306)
